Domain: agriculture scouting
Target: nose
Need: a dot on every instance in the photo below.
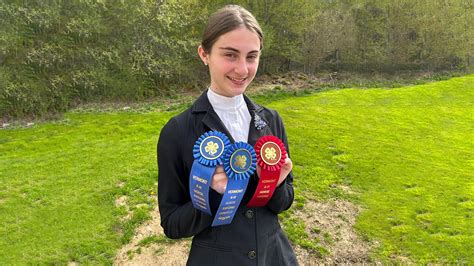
(241, 68)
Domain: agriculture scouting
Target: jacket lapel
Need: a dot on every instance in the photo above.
(211, 120)
(254, 132)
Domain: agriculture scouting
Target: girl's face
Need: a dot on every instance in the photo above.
(233, 61)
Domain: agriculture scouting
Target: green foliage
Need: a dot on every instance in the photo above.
(57, 54)
(390, 35)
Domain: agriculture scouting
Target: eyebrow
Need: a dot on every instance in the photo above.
(235, 50)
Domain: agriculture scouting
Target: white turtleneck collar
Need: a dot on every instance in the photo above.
(233, 112)
(224, 103)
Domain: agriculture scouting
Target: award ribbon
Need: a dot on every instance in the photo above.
(240, 162)
(208, 152)
(271, 155)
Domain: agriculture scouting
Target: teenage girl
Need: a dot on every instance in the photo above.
(231, 48)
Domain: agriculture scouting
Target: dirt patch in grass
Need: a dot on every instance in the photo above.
(122, 202)
(332, 222)
(155, 253)
(291, 81)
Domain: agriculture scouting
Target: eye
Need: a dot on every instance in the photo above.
(231, 56)
(252, 57)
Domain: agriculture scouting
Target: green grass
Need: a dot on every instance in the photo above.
(407, 152)
(59, 182)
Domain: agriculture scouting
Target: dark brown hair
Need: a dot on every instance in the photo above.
(228, 19)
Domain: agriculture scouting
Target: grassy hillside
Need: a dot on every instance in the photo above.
(406, 152)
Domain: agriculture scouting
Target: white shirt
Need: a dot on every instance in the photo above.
(233, 112)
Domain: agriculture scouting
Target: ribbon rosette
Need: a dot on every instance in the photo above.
(208, 152)
(240, 162)
(271, 155)
(210, 147)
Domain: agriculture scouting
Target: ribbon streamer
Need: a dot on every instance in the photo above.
(208, 152)
(240, 162)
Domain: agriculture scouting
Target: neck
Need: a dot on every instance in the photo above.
(221, 94)
(224, 102)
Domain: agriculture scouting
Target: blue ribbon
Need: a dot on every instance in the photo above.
(240, 162)
(208, 151)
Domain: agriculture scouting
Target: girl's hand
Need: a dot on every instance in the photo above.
(285, 170)
(219, 180)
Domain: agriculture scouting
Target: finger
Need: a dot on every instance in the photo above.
(288, 164)
(219, 169)
(220, 176)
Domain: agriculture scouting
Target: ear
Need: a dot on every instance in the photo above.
(203, 55)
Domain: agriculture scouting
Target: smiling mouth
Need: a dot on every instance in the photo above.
(237, 79)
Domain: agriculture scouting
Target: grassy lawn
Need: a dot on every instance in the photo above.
(406, 152)
(59, 182)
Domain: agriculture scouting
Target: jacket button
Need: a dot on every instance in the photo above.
(249, 214)
(252, 254)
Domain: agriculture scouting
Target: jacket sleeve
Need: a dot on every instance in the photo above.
(284, 194)
(178, 216)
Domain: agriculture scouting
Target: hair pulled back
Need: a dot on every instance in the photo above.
(227, 19)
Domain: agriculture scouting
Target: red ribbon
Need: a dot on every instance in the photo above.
(271, 155)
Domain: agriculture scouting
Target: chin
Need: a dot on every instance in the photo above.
(237, 91)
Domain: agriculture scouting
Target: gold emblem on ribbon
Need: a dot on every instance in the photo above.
(241, 161)
(270, 153)
(211, 148)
